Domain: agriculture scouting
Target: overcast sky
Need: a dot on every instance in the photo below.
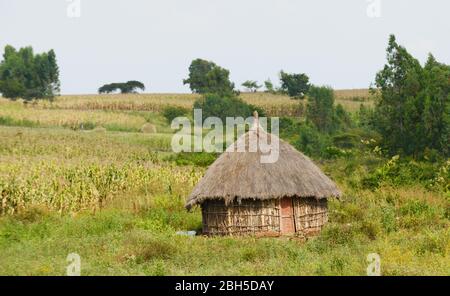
(338, 43)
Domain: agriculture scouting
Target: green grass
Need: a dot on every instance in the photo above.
(123, 193)
(142, 241)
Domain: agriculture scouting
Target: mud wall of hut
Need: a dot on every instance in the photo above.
(248, 217)
(262, 217)
(310, 215)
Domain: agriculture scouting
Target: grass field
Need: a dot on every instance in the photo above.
(115, 195)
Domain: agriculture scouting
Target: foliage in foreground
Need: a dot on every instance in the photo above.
(136, 235)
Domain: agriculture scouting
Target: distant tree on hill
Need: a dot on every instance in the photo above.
(251, 85)
(295, 85)
(207, 77)
(125, 88)
(26, 75)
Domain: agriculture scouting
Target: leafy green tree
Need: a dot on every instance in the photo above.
(412, 111)
(207, 77)
(125, 88)
(251, 85)
(295, 85)
(26, 75)
(436, 96)
(320, 110)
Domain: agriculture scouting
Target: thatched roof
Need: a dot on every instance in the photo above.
(241, 175)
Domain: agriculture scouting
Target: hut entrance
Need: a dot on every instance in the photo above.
(287, 216)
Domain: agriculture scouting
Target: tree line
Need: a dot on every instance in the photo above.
(411, 112)
(412, 102)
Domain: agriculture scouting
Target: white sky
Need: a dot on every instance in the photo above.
(334, 42)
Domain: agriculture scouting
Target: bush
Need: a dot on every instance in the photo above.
(9, 121)
(433, 243)
(402, 172)
(201, 159)
(346, 140)
(311, 141)
(214, 105)
(172, 112)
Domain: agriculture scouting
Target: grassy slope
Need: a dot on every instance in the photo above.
(134, 232)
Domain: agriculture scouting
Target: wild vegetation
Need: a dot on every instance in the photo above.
(95, 175)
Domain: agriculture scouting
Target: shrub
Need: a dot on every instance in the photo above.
(311, 141)
(418, 213)
(433, 243)
(388, 219)
(346, 140)
(9, 121)
(371, 229)
(201, 159)
(172, 112)
(338, 234)
(214, 105)
(399, 172)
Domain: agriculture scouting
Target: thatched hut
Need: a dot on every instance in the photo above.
(240, 195)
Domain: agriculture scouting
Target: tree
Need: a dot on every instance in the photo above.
(412, 111)
(295, 85)
(206, 77)
(125, 88)
(436, 96)
(26, 75)
(251, 85)
(320, 110)
(269, 86)
(131, 86)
